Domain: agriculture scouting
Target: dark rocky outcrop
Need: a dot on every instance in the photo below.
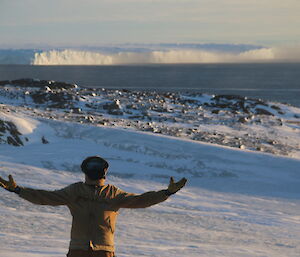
(113, 108)
(44, 140)
(40, 83)
(9, 134)
(53, 99)
(4, 82)
(260, 111)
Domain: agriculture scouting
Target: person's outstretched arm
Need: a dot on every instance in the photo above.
(42, 197)
(127, 200)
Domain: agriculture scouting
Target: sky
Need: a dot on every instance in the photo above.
(28, 23)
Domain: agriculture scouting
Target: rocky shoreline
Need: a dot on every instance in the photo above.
(227, 120)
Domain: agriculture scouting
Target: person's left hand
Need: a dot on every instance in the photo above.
(176, 186)
(9, 185)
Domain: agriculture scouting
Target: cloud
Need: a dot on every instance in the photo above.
(67, 22)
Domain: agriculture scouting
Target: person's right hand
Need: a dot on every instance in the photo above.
(9, 185)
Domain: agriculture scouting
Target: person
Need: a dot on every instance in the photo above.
(93, 205)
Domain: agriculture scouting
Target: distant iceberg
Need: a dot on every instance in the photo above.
(150, 54)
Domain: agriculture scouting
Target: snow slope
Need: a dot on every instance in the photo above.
(237, 202)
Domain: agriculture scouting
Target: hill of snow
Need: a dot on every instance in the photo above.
(237, 202)
(241, 158)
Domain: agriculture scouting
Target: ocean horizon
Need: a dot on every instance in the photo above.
(279, 82)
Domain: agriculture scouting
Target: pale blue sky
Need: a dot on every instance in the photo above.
(24, 23)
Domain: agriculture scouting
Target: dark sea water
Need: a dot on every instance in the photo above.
(271, 81)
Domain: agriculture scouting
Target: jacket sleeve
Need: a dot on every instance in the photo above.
(128, 200)
(43, 197)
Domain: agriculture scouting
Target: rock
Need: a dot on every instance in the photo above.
(259, 148)
(4, 82)
(222, 105)
(259, 111)
(158, 108)
(275, 107)
(111, 106)
(115, 112)
(272, 142)
(54, 99)
(135, 117)
(13, 138)
(90, 118)
(228, 97)
(242, 120)
(76, 110)
(12, 141)
(242, 147)
(44, 140)
(42, 84)
(23, 82)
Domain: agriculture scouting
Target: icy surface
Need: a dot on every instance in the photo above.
(238, 203)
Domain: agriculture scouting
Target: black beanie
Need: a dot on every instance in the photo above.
(97, 168)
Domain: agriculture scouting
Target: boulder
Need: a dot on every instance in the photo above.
(260, 111)
(9, 134)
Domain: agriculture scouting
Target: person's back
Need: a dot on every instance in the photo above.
(94, 206)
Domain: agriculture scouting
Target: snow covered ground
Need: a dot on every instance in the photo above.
(236, 203)
(228, 120)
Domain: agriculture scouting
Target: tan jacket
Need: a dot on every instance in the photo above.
(94, 210)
